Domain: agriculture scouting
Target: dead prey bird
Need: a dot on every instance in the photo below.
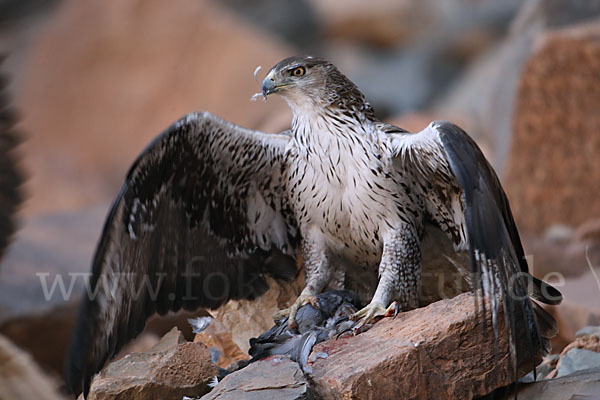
(313, 325)
(210, 208)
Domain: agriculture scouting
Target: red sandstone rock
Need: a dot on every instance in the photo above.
(553, 175)
(170, 370)
(436, 352)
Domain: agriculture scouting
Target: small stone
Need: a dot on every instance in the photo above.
(577, 360)
(275, 377)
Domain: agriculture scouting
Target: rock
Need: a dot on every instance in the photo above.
(487, 88)
(558, 97)
(580, 385)
(411, 357)
(219, 340)
(588, 331)
(126, 71)
(172, 369)
(22, 378)
(276, 377)
(577, 360)
(581, 354)
(547, 368)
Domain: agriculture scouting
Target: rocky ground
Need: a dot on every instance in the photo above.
(94, 82)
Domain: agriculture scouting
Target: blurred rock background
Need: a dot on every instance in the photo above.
(95, 81)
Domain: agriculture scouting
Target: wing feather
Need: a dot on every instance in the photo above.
(200, 219)
(463, 195)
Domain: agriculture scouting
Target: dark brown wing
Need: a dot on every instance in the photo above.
(200, 219)
(464, 197)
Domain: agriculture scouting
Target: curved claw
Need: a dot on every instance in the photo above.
(290, 312)
(372, 311)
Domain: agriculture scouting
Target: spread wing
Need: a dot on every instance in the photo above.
(200, 220)
(463, 195)
(11, 178)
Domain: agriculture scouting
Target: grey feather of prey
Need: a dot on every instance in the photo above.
(199, 324)
(256, 73)
(256, 96)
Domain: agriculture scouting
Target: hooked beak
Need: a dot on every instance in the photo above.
(268, 86)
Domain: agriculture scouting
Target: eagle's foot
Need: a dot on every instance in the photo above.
(290, 312)
(372, 311)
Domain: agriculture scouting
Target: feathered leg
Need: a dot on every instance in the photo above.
(399, 277)
(317, 276)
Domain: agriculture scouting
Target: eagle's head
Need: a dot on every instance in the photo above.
(308, 82)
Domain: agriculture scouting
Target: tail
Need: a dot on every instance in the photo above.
(547, 294)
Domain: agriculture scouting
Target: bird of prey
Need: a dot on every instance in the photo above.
(210, 208)
(314, 325)
(11, 177)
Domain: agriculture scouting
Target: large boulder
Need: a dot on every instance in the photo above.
(439, 351)
(552, 175)
(172, 369)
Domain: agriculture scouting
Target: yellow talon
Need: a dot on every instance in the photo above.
(372, 311)
(290, 312)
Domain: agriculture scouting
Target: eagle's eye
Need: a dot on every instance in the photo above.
(298, 71)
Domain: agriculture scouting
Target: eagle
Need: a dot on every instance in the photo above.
(210, 209)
